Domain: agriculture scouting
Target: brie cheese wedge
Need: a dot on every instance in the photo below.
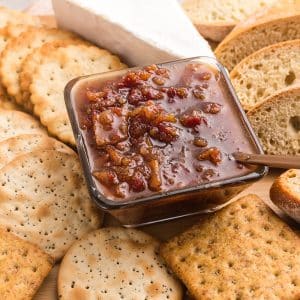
(140, 31)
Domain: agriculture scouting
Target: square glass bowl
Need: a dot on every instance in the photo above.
(185, 198)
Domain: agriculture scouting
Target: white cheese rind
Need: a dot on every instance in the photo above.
(140, 31)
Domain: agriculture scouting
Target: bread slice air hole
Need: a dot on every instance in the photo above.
(290, 78)
(295, 123)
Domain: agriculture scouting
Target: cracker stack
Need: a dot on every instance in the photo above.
(43, 197)
(37, 62)
(241, 252)
(61, 65)
(45, 201)
(16, 51)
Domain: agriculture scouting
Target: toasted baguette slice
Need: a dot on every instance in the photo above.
(276, 121)
(266, 71)
(214, 19)
(285, 193)
(278, 24)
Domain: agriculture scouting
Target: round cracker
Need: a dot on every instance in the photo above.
(33, 60)
(44, 200)
(61, 65)
(9, 16)
(6, 103)
(11, 31)
(16, 51)
(116, 263)
(6, 34)
(11, 148)
(13, 123)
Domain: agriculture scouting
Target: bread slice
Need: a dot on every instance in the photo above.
(276, 121)
(266, 71)
(278, 24)
(243, 251)
(214, 19)
(285, 193)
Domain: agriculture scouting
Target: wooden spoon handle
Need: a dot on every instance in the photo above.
(274, 161)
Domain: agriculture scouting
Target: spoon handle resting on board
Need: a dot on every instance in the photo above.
(274, 161)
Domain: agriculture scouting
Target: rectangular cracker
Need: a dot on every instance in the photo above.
(243, 251)
(23, 267)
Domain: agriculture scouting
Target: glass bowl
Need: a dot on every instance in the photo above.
(202, 197)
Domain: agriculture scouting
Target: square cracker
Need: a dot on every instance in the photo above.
(23, 267)
(243, 251)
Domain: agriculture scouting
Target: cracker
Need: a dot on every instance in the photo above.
(7, 104)
(116, 263)
(4, 37)
(11, 31)
(243, 251)
(32, 61)
(13, 123)
(16, 51)
(11, 148)
(44, 200)
(9, 16)
(7, 33)
(61, 65)
(23, 267)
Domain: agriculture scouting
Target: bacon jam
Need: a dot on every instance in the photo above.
(159, 129)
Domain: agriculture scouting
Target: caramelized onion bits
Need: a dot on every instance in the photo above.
(157, 129)
(212, 154)
(107, 177)
(192, 119)
(211, 108)
(155, 180)
(153, 120)
(200, 142)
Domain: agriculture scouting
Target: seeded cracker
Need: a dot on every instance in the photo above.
(16, 51)
(6, 34)
(116, 263)
(60, 66)
(9, 16)
(32, 61)
(23, 267)
(13, 123)
(243, 251)
(44, 200)
(13, 147)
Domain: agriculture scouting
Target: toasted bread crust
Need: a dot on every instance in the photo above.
(215, 32)
(256, 34)
(285, 198)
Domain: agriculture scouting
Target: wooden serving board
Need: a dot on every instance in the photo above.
(162, 231)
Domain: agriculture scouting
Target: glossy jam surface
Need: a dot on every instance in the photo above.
(160, 128)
